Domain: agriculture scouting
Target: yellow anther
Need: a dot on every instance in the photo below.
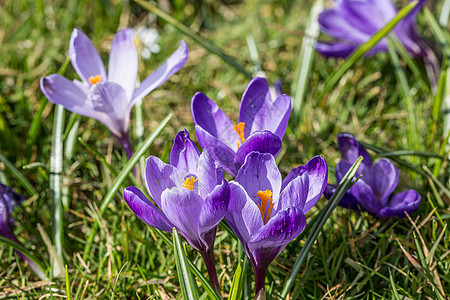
(95, 80)
(266, 199)
(189, 183)
(239, 128)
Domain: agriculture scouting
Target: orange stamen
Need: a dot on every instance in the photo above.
(189, 183)
(95, 80)
(239, 128)
(266, 199)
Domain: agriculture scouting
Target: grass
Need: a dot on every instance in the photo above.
(355, 256)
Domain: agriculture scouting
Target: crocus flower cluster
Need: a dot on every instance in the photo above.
(264, 211)
(8, 200)
(110, 97)
(373, 191)
(353, 22)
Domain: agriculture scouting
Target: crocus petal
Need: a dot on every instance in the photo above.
(335, 49)
(243, 215)
(5, 221)
(181, 206)
(364, 194)
(407, 201)
(348, 201)
(217, 149)
(11, 198)
(160, 176)
(351, 149)
(258, 112)
(207, 115)
(261, 141)
(123, 61)
(184, 154)
(85, 59)
(172, 65)
(317, 171)
(383, 179)
(333, 24)
(145, 210)
(209, 174)
(295, 193)
(259, 173)
(213, 211)
(271, 239)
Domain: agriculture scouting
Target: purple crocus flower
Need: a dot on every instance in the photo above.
(372, 192)
(353, 22)
(8, 200)
(261, 125)
(266, 212)
(192, 196)
(108, 98)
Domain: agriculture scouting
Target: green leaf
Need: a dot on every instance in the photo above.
(344, 185)
(187, 283)
(237, 284)
(22, 180)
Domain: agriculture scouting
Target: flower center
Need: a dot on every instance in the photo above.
(95, 80)
(266, 199)
(239, 128)
(188, 183)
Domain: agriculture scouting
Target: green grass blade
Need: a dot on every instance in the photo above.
(56, 166)
(365, 47)
(445, 12)
(187, 283)
(410, 153)
(22, 180)
(69, 296)
(195, 36)
(306, 57)
(237, 284)
(126, 171)
(344, 185)
(410, 107)
(205, 283)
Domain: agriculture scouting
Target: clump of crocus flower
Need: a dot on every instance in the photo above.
(110, 97)
(372, 192)
(8, 200)
(266, 212)
(192, 196)
(260, 127)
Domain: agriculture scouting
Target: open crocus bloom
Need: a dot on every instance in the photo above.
(191, 194)
(8, 200)
(353, 22)
(110, 97)
(261, 125)
(266, 212)
(372, 192)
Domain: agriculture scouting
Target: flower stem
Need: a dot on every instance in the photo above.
(208, 257)
(260, 280)
(126, 145)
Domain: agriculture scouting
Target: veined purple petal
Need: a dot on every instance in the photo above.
(85, 59)
(259, 173)
(145, 210)
(123, 61)
(5, 221)
(213, 211)
(181, 206)
(351, 149)
(364, 194)
(207, 115)
(383, 179)
(261, 141)
(271, 239)
(160, 176)
(184, 155)
(317, 171)
(243, 215)
(172, 65)
(294, 194)
(335, 49)
(333, 24)
(209, 174)
(258, 112)
(407, 201)
(217, 149)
